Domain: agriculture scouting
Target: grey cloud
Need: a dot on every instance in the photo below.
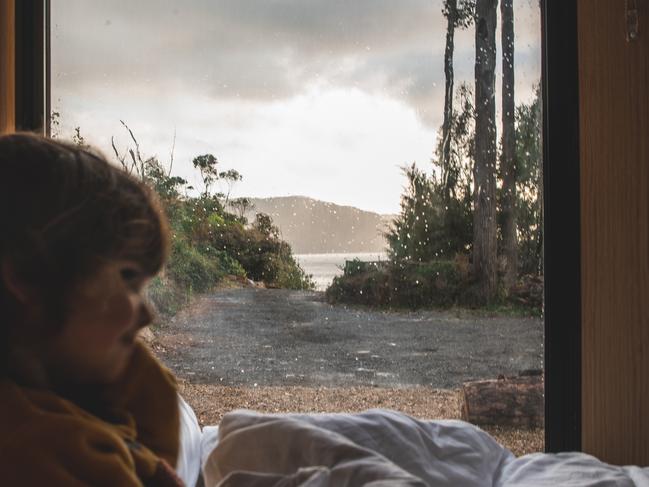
(313, 25)
(276, 42)
(253, 50)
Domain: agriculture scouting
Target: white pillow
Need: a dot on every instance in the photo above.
(189, 457)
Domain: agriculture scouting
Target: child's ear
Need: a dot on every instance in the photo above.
(13, 281)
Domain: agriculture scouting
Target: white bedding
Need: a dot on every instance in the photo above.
(384, 448)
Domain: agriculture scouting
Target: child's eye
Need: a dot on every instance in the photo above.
(129, 274)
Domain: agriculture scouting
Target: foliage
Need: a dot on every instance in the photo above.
(198, 271)
(462, 13)
(529, 186)
(438, 283)
(417, 234)
(206, 165)
(263, 256)
(55, 124)
(356, 267)
(264, 224)
(430, 240)
(208, 242)
(78, 139)
(231, 177)
(435, 221)
(241, 206)
(529, 181)
(165, 185)
(166, 295)
(459, 173)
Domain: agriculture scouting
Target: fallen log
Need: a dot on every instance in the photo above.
(506, 401)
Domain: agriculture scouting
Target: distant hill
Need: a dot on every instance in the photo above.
(314, 227)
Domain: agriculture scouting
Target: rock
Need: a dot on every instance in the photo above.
(506, 401)
(528, 291)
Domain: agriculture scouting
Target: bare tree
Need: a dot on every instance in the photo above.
(508, 157)
(484, 169)
(120, 157)
(242, 206)
(171, 154)
(456, 16)
(207, 166)
(136, 156)
(231, 177)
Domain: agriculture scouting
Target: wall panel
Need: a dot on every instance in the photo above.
(7, 66)
(614, 140)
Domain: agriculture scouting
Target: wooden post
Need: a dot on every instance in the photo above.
(7, 66)
(614, 124)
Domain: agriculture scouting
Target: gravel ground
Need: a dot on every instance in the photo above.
(212, 402)
(289, 351)
(273, 337)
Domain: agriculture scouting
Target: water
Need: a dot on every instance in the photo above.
(324, 267)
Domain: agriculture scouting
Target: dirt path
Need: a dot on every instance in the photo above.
(267, 337)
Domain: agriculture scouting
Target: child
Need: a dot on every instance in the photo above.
(82, 401)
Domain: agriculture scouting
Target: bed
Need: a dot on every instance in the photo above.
(376, 448)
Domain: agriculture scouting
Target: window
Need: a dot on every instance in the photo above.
(552, 48)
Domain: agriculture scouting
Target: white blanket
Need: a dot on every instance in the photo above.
(385, 448)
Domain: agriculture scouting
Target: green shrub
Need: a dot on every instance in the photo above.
(357, 266)
(435, 283)
(226, 262)
(262, 255)
(438, 283)
(166, 296)
(209, 242)
(371, 288)
(291, 276)
(191, 269)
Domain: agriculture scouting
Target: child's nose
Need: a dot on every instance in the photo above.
(145, 316)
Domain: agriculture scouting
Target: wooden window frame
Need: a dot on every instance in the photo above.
(562, 233)
(31, 65)
(562, 252)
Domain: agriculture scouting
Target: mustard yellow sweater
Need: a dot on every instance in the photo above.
(131, 437)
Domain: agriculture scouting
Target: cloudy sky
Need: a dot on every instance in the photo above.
(323, 98)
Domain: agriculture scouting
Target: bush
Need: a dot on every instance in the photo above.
(435, 283)
(429, 226)
(401, 284)
(262, 255)
(371, 288)
(226, 262)
(291, 276)
(209, 242)
(357, 266)
(166, 296)
(192, 270)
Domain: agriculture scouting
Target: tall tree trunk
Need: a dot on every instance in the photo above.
(484, 196)
(451, 18)
(540, 229)
(508, 158)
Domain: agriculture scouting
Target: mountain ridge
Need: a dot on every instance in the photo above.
(314, 226)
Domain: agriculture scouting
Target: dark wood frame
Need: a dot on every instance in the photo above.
(32, 65)
(562, 240)
(562, 251)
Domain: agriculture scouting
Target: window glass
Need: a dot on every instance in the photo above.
(353, 190)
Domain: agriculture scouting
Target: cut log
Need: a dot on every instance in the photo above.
(508, 401)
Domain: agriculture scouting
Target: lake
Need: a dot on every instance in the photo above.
(324, 267)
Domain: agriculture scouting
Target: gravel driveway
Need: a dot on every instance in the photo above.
(276, 337)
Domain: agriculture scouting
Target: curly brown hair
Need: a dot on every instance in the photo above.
(63, 210)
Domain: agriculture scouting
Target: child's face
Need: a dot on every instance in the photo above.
(105, 313)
